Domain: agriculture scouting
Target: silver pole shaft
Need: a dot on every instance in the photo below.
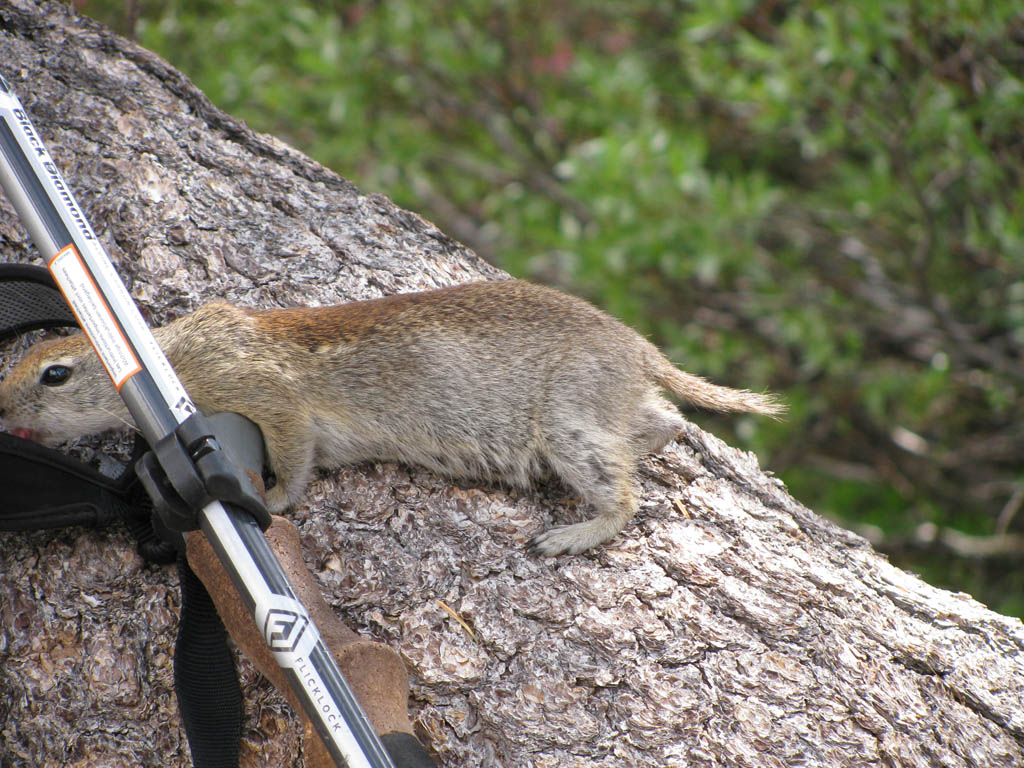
(159, 403)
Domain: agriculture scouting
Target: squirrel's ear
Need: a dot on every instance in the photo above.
(55, 375)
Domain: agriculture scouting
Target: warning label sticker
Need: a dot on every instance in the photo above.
(94, 315)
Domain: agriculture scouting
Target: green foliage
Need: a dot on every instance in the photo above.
(822, 199)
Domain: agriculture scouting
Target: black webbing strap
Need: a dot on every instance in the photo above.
(43, 488)
(205, 681)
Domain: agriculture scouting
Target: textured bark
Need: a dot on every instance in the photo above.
(727, 626)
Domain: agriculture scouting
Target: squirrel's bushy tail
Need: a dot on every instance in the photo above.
(704, 394)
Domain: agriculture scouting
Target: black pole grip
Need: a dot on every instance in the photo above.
(406, 752)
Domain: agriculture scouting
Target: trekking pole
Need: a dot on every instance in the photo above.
(161, 409)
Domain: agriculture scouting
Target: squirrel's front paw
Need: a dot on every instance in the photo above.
(277, 499)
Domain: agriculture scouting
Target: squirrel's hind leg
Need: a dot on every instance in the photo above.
(601, 474)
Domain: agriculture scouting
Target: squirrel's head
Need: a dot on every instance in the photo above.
(58, 391)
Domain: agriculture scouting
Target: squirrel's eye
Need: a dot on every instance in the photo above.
(55, 375)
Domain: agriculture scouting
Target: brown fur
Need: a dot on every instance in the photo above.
(505, 380)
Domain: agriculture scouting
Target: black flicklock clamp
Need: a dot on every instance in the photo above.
(192, 466)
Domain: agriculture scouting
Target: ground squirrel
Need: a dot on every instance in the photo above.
(504, 380)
